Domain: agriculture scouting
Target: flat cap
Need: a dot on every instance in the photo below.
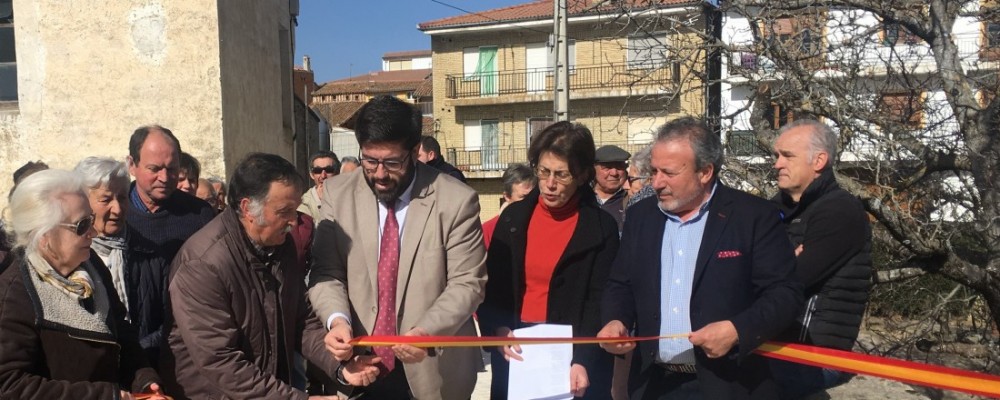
(611, 153)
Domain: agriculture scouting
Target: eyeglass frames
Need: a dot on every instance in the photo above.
(80, 227)
(371, 164)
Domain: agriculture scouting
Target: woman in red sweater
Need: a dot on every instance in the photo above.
(549, 259)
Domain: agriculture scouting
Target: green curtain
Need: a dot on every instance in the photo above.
(486, 70)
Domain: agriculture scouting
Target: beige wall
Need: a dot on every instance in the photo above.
(607, 117)
(90, 72)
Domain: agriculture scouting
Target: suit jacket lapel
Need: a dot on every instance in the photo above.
(367, 225)
(519, 241)
(417, 212)
(718, 216)
(585, 236)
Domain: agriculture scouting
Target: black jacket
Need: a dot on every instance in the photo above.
(835, 265)
(574, 290)
(441, 165)
(743, 274)
(153, 240)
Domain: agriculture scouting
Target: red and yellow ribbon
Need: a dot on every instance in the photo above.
(882, 367)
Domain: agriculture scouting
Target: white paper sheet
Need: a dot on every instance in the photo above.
(544, 373)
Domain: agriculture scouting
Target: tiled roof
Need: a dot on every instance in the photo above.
(425, 89)
(542, 10)
(376, 82)
(338, 113)
(387, 76)
(427, 127)
(407, 54)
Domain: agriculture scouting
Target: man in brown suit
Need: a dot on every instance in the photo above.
(399, 250)
(238, 298)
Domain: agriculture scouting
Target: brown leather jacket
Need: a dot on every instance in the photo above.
(229, 308)
(43, 358)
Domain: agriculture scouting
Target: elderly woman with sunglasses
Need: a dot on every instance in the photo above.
(550, 257)
(63, 333)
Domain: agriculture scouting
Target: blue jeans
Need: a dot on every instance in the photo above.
(799, 380)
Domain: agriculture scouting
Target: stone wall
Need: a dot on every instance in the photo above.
(90, 72)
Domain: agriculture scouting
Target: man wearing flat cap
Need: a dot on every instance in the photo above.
(609, 180)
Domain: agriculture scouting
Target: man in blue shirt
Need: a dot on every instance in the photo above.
(722, 277)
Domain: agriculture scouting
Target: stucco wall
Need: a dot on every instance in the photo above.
(90, 72)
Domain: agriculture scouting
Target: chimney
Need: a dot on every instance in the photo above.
(306, 65)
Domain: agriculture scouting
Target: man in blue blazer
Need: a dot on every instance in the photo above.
(721, 278)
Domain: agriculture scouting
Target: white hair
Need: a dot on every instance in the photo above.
(256, 210)
(641, 160)
(38, 205)
(103, 172)
(822, 139)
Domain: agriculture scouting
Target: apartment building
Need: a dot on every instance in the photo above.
(633, 65)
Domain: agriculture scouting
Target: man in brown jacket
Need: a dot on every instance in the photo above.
(238, 300)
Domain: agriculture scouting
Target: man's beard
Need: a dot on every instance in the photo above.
(391, 195)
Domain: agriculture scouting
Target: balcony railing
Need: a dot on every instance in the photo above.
(874, 55)
(541, 80)
(739, 143)
(744, 143)
(497, 159)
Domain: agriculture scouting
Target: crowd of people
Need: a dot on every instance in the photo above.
(170, 284)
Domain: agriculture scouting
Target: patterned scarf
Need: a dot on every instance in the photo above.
(111, 249)
(77, 285)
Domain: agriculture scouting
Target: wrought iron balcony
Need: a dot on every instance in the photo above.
(498, 158)
(541, 80)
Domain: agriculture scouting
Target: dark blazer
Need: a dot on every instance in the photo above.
(574, 290)
(743, 274)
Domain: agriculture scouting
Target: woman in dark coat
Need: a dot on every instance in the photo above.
(63, 333)
(549, 258)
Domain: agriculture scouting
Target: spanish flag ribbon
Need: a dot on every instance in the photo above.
(489, 341)
(882, 367)
(888, 368)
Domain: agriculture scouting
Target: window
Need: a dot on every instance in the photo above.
(777, 115)
(570, 56)
(536, 125)
(8, 56)
(894, 34)
(993, 34)
(744, 143)
(800, 36)
(647, 51)
(991, 41)
(482, 138)
(480, 64)
(905, 108)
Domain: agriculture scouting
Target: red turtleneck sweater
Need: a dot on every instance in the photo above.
(548, 234)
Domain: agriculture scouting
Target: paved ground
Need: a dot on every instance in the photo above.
(859, 388)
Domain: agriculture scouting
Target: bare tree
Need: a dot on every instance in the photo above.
(910, 85)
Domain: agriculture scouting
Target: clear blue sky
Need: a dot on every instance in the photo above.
(348, 37)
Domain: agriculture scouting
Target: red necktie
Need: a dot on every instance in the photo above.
(388, 267)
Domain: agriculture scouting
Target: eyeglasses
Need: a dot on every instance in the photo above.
(319, 170)
(80, 227)
(371, 164)
(632, 179)
(564, 177)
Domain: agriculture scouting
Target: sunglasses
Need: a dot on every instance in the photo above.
(80, 227)
(329, 170)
